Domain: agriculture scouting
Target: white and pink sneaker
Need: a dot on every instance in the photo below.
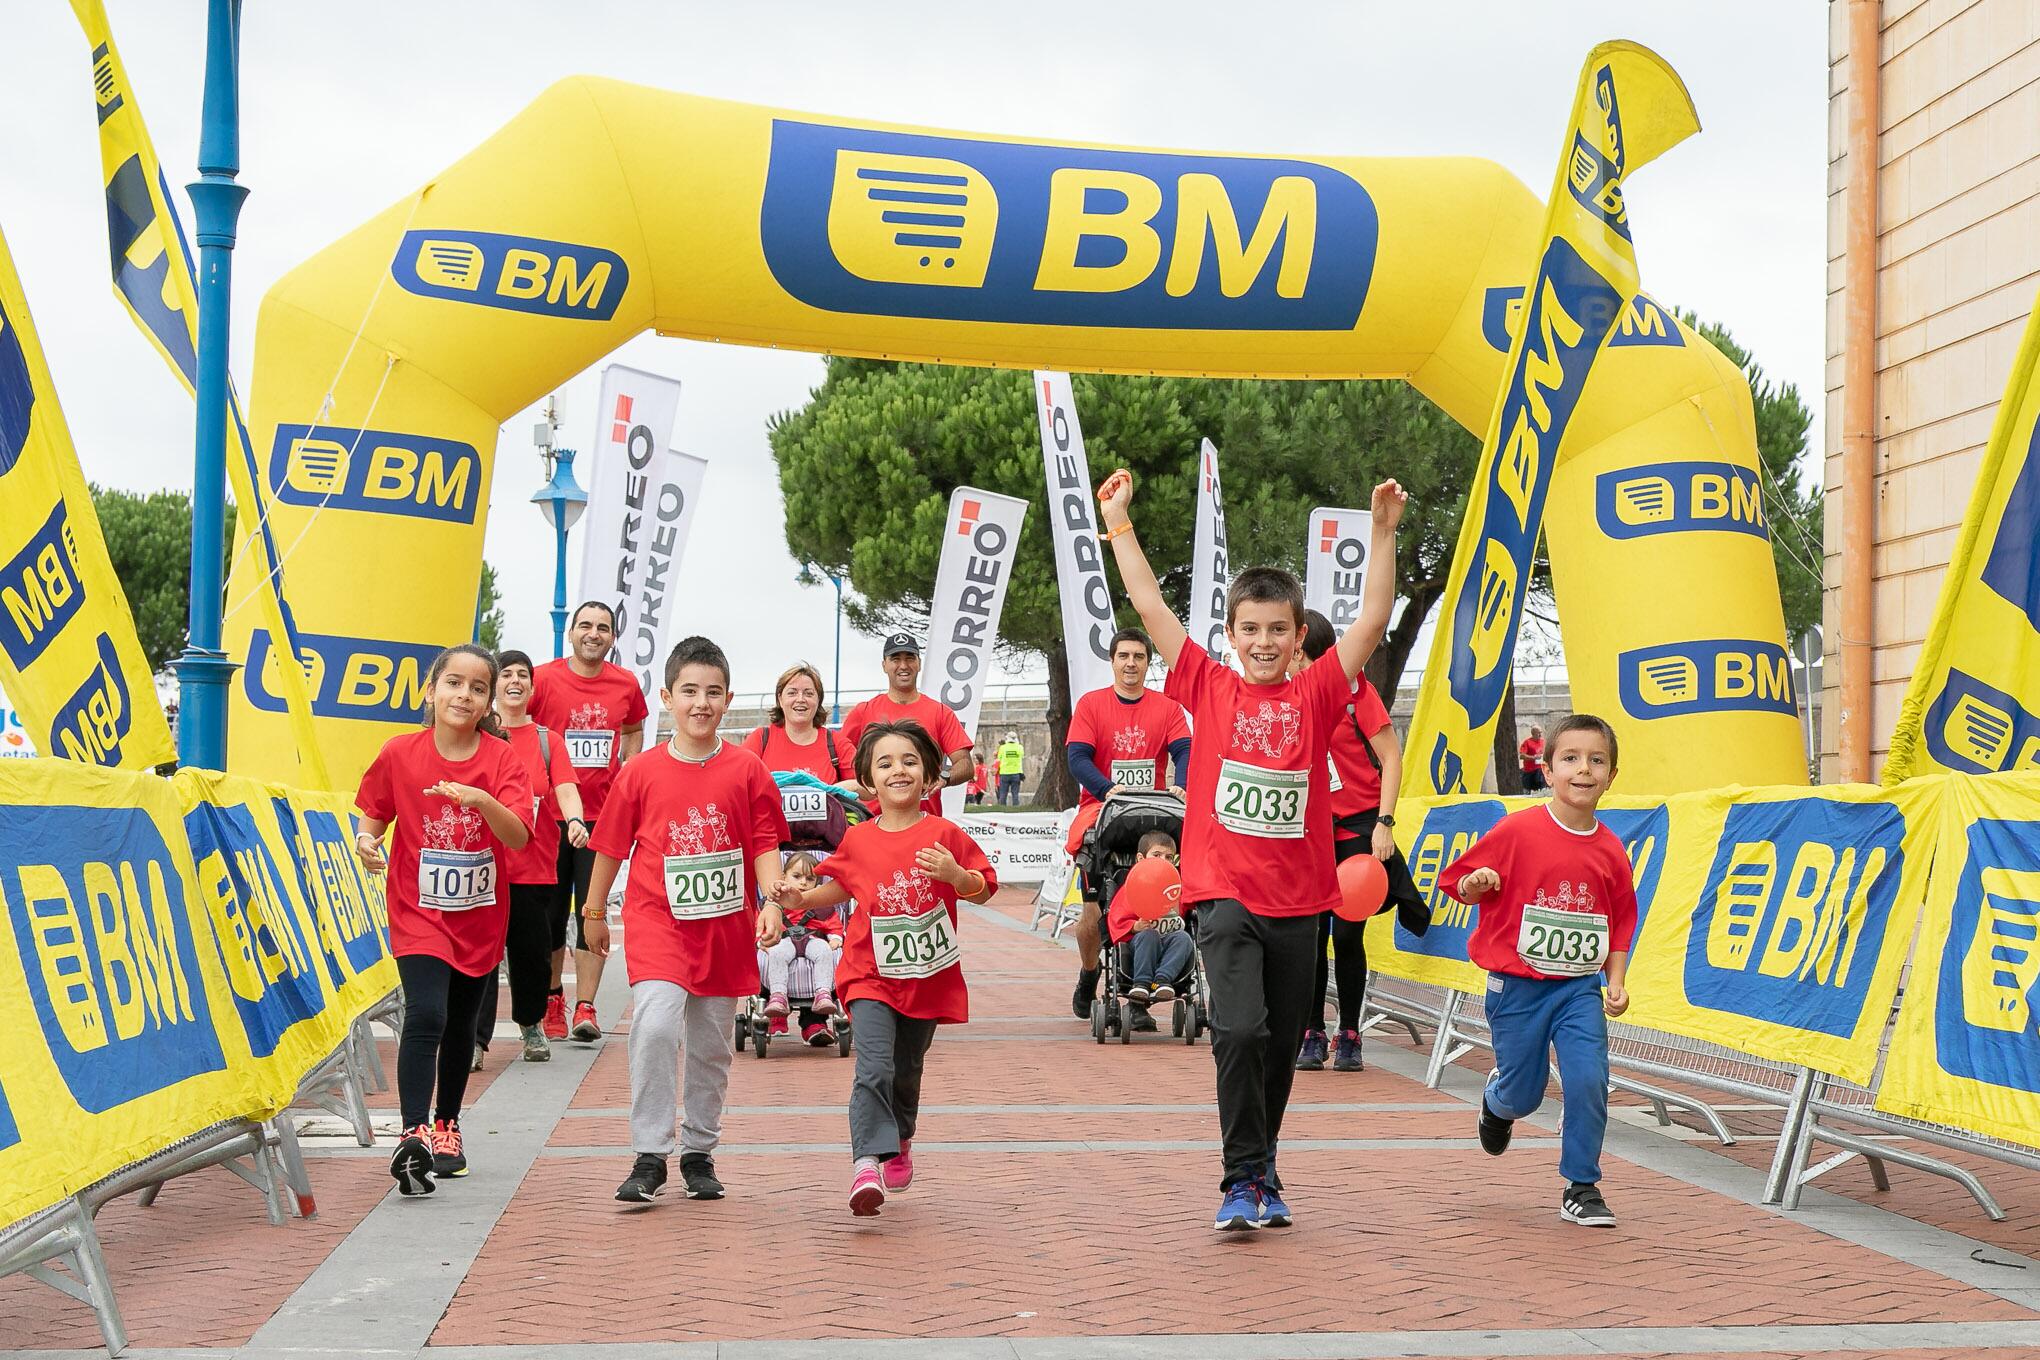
(866, 1190)
(776, 1006)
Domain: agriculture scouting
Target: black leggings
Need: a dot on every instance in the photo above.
(570, 897)
(528, 950)
(439, 1024)
(1349, 938)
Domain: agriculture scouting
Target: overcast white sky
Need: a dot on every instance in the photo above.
(348, 107)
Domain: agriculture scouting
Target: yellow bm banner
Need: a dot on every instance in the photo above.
(175, 954)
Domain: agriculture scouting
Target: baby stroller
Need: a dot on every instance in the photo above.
(1109, 850)
(752, 1023)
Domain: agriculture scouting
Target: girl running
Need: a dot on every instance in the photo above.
(457, 802)
(901, 972)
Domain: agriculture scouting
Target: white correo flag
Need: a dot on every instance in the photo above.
(1088, 621)
(1209, 572)
(633, 427)
(980, 541)
(1335, 563)
(646, 621)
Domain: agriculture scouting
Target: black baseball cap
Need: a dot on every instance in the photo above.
(902, 642)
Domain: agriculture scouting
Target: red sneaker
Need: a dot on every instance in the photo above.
(866, 1193)
(587, 1028)
(777, 1026)
(898, 1172)
(817, 1035)
(554, 1026)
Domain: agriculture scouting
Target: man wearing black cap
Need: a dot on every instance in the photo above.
(903, 699)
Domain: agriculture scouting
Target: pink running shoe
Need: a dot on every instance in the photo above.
(824, 1003)
(776, 1006)
(866, 1191)
(898, 1173)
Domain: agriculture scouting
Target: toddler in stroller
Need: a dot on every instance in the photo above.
(1149, 962)
(799, 972)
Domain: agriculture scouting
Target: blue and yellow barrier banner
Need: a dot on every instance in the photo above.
(386, 363)
(69, 657)
(1974, 702)
(175, 954)
(1781, 923)
(154, 280)
(1432, 832)
(1629, 108)
(1966, 1050)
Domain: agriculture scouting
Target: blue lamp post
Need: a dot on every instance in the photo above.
(561, 500)
(836, 685)
(203, 670)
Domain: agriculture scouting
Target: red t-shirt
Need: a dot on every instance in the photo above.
(1131, 739)
(539, 860)
(1258, 826)
(1533, 753)
(780, 752)
(1356, 781)
(933, 714)
(699, 826)
(1546, 867)
(876, 867)
(465, 909)
(588, 713)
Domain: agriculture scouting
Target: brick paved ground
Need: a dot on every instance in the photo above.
(1061, 1209)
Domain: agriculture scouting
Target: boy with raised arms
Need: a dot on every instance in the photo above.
(700, 822)
(1257, 832)
(1557, 904)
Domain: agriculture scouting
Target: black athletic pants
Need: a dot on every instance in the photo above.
(528, 951)
(1349, 938)
(571, 896)
(1259, 968)
(439, 1024)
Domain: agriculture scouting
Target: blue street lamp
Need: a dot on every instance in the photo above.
(203, 670)
(561, 500)
(836, 685)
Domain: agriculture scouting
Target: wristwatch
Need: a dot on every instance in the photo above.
(1386, 819)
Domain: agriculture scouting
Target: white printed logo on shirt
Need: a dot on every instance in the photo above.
(456, 872)
(1271, 731)
(591, 741)
(705, 830)
(1563, 934)
(1130, 741)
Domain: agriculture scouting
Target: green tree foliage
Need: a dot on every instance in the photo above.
(148, 538)
(489, 611)
(867, 466)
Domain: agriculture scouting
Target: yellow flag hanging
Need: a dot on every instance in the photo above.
(68, 651)
(1630, 108)
(1974, 702)
(154, 279)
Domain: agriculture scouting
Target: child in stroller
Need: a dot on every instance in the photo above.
(1149, 963)
(799, 972)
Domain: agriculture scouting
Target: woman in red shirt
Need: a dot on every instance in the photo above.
(901, 972)
(794, 740)
(457, 803)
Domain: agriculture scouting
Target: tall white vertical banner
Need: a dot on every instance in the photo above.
(1209, 572)
(645, 624)
(633, 426)
(980, 540)
(1088, 621)
(1335, 563)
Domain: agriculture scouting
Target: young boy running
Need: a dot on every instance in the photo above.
(705, 822)
(1257, 833)
(1558, 905)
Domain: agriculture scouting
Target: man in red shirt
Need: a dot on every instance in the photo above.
(1125, 737)
(598, 711)
(1557, 906)
(903, 699)
(1257, 830)
(1532, 751)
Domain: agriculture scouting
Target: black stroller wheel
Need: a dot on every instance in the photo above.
(1178, 1014)
(1098, 1021)
(1125, 1022)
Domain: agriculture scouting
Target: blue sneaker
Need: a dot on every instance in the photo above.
(1311, 1056)
(1240, 1210)
(1274, 1213)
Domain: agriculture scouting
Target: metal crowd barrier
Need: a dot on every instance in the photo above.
(59, 1246)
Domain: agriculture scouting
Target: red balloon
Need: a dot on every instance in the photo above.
(1363, 887)
(1152, 889)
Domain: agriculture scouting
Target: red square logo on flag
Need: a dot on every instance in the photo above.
(619, 433)
(969, 518)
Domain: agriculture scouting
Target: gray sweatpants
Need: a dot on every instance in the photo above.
(665, 1019)
(885, 1097)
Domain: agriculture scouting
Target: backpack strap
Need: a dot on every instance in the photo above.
(829, 744)
(545, 754)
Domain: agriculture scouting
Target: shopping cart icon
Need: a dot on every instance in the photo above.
(912, 219)
(450, 264)
(1979, 730)
(1668, 680)
(2002, 961)
(1739, 906)
(316, 467)
(1644, 500)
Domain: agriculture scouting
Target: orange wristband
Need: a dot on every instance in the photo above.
(1109, 534)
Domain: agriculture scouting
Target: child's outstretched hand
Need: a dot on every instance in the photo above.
(786, 894)
(1388, 503)
(466, 796)
(1115, 498)
(936, 862)
(1615, 999)
(1478, 883)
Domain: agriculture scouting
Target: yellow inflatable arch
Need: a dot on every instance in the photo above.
(386, 363)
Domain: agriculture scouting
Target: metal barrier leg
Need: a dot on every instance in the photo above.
(370, 1059)
(76, 1244)
(1447, 1047)
(291, 1158)
(1373, 1015)
(1854, 1147)
(1663, 1101)
(1798, 1177)
(1789, 1134)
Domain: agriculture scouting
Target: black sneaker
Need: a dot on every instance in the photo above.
(647, 1178)
(1086, 993)
(1311, 1057)
(697, 1169)
(1143, 1023)
(1583, 1204)
(1347, 1052)
(411, 1166)
(1495, 1131)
